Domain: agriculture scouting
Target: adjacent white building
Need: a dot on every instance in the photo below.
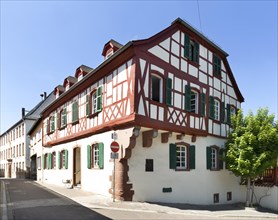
(14, 142)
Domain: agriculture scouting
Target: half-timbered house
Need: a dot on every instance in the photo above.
(167, 100)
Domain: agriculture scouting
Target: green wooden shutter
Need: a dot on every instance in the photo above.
(75, 111)
(49, 161)
(203, 104)
(196, 52)
(211, 107)
(101, 155)
(65, 116)
(66, 159)
(42, 165)
(53, 123)
(223, 112)
(47, 126)
(99, 99)
(187, 97)
(58, 120)
(89, 156)
(209, 158)
(87, 105)
(59, 159)
(192, 157)
(186, 45)
(221, 158)
(228, 113)
(169, 91)
(172, 156)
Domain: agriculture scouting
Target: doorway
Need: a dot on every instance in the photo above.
(76, 167)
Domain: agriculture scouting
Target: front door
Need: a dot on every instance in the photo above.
(76, 167)
(9, 170)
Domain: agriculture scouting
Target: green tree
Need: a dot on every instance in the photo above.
(252, 146)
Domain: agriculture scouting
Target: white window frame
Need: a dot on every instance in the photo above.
(94, 102)
(95, 155)
(194, 102)
(216, 109)
(182, 157)
(214, 158)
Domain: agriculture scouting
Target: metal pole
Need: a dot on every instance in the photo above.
(114, 181)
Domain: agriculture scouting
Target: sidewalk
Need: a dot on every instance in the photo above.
(94, 201)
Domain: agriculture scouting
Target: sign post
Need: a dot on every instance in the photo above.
(114, 148)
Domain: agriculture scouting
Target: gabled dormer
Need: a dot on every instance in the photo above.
(69, 81)
(82, 71)
(58, 90)
(110, 48)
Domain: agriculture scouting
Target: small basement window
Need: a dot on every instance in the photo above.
(149, 165)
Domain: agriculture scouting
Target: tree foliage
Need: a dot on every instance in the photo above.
(252, 146)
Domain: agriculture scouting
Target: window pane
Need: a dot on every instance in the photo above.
(156, 88)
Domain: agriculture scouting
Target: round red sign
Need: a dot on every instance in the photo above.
(114, 146)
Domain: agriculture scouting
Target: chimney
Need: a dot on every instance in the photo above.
(44, 95)
(23, 112)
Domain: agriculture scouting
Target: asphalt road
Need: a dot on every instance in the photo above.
(27, 200)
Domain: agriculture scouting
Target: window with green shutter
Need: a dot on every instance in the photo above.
(75, 111)
(181, 157)
(66, 158)
(216, 65)
(169, 91)
(59, 159)
(52, 123)
(49, 161)
(213, 160)
(191, 49)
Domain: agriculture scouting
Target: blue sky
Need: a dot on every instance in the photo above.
(44, 42)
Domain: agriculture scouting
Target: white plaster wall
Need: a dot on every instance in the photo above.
(195, 186)
(266, 196)
(94, 180)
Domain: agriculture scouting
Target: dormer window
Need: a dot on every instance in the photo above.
(110, 48)
(69, 81)
(82, 71)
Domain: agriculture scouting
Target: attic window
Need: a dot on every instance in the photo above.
(109, 55)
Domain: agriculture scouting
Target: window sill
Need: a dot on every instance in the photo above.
(93, 115)
(214, 169)
(62, 127)
(158, 103)
(217, 76)
(183, 169)
(75, 122)
(197, 65)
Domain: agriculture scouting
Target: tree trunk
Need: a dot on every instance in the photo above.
(248, 192)
(252, 196)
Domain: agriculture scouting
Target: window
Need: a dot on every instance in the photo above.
(216, 65)
(94, 102)
(229, 196)
(216, 198)
(191, 49)
(182, 156)
(45, 161)
(194, 102)
(52, 123)
(39, 163)
(216, 110)
(95, 156)
(149, 165)
(62, 121)
(215, 158)
(75, 112)
(63, 159)
(169, 91)
(53, 162)
(156, 88)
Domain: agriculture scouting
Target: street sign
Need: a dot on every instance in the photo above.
(114, 155)
(115, 146)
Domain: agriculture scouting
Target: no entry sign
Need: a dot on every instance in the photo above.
(114, 146)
